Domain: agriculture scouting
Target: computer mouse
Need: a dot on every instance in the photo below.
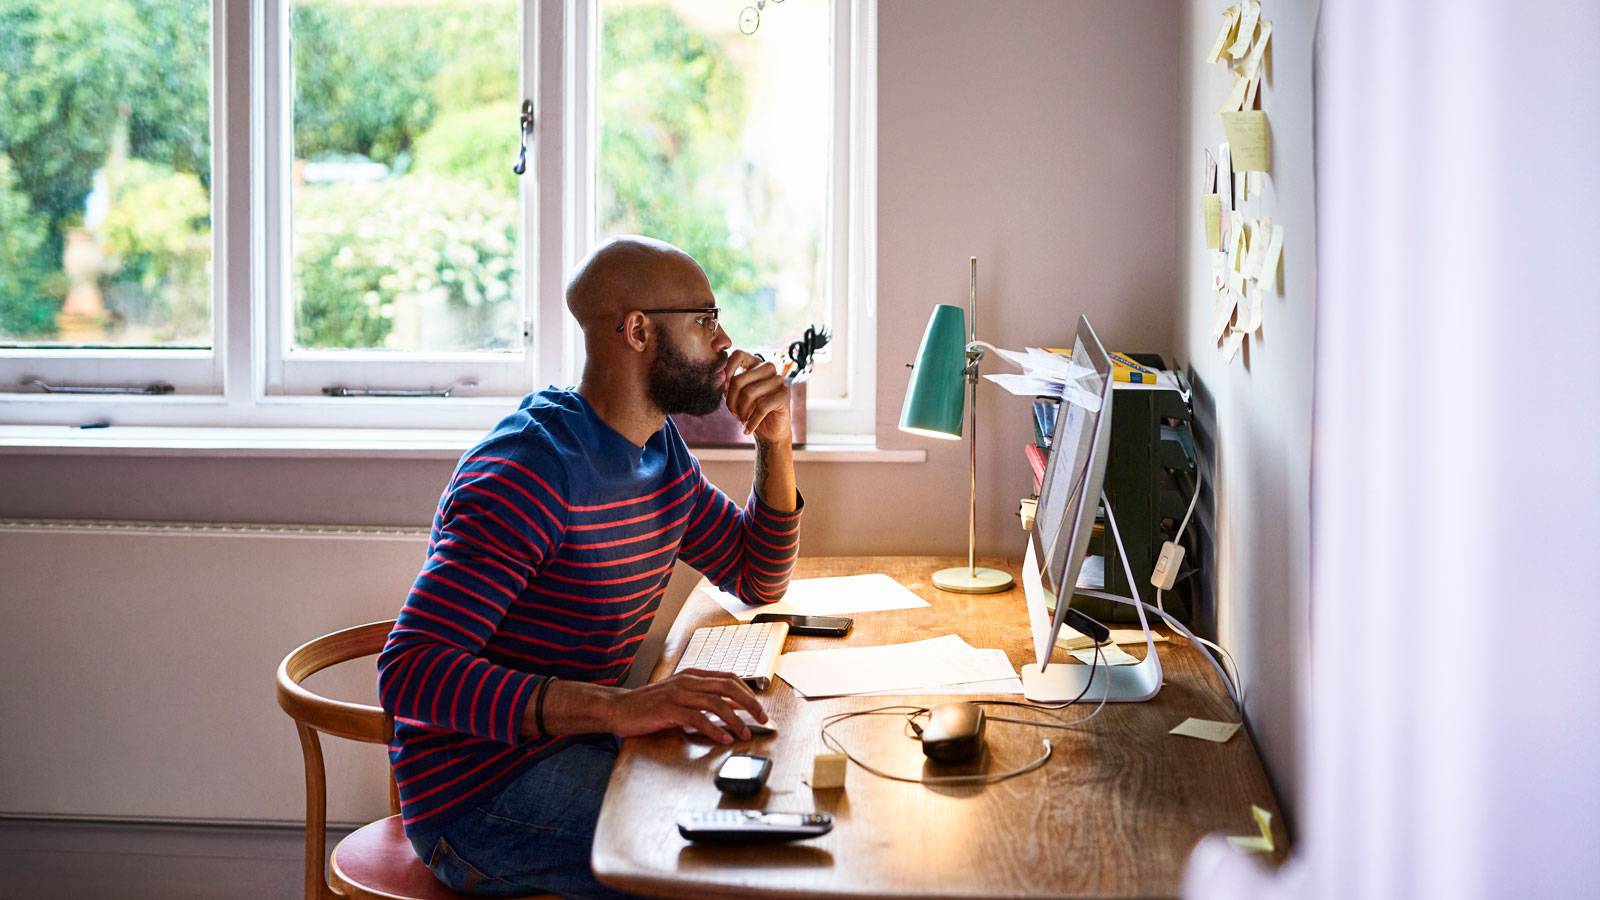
(954, 732)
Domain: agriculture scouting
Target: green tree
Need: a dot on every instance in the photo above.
(672, 104)
(22, 235)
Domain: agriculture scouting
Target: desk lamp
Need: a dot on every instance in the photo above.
(946, 363)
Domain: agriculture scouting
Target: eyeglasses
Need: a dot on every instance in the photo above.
(705, 316)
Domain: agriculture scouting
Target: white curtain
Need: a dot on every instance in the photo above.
(1454, 719)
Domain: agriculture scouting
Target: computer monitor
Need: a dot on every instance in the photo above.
(1064, 518)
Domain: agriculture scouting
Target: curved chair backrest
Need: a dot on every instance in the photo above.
(313, 713)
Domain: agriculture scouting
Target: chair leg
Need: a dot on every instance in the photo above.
(316, 880)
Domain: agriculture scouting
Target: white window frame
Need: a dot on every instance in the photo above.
(242, 382)
(187, 371)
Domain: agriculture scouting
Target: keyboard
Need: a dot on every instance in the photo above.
(749, 651)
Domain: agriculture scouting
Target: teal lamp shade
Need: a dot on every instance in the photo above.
(934, 395)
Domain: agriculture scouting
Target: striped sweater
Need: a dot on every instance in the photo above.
(549, 553)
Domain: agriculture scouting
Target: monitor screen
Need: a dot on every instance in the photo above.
(1069, 494)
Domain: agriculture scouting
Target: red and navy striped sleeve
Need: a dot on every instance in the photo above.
(747, 552)
(498, 522)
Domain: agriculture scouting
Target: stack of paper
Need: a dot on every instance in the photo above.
(823, 597)
(1046, 374)
(941, 665)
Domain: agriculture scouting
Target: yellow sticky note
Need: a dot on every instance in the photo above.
(1230, 27)
(1248, 140)
(1252, 62)
(1212, 204)
(1269, 265)
(1235, 98)
(1262, 844)
(1207, 730)
(1247, 28)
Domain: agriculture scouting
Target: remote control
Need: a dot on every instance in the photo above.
(749, 826)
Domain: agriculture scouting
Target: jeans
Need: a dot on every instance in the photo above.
(534, 836)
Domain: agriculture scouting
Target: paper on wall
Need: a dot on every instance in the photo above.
(1230, 347)
(1269, 263)
(823, 597)
(1230, 26)
(1252, 321)
(1258, 51)
(1247, 28)
(1221, 311)
(1235, 98)
(1249, 139)
(1225, 186)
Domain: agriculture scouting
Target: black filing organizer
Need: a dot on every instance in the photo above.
(1150, 477)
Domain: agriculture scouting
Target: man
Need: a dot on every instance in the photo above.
(550, 550)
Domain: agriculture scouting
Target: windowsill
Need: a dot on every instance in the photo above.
(364, 443)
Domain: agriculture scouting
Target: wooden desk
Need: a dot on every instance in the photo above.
(1114, 813)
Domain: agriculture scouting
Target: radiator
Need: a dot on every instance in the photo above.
(139, 660)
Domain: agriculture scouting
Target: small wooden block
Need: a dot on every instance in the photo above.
(827, 771)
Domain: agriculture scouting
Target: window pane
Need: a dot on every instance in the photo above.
(105, 173)
(405, 209)
(720, 143)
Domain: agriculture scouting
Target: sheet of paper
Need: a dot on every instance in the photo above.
(1261, 843)
(1042, 363)
(1025, 385)
(1252, 322)
(914, 666)
(999, 686)
(1258, 50)
(1110, 655)
(1211, 209)
(1269, 263)
(1225, 186)
(1249, 139)
(1248, 17)
(1241, 238)
(1254, 180)
(1251, 89)
(836, 596)
(1235, 98)
(1134, 636)
(1256, 254)
(1219, 271)
(1207, 730)
(1230, 347)
(1230, 25)
(1221, 312)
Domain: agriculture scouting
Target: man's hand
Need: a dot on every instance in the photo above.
(683, 700)
(758, 397)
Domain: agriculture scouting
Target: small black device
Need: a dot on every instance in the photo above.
(749, 826)
(742, 774)
(954, 732)
(821, 626)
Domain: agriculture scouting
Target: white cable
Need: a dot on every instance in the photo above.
(1235, 689)
(1235, 683)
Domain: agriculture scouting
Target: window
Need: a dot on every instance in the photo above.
(260, 211)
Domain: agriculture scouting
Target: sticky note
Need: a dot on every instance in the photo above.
(1256, 254)
(827, 771)
(1235, 98)
(1257, 844)
(1248, 139)
(1248, 16)
(1134, 636)
(1219, 270)
(1258, 51)
(1230, 29)
(1110, 655)
(1207, 730)
(1212, 206)
(1254, 181)
(1269, 262)
(1252, 321)
(1230, 347)
(1225, 183)
(1221, 312)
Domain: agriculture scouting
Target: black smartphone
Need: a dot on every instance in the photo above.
(742, 774)
(822, 626)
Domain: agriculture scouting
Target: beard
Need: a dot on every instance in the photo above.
(679, 386)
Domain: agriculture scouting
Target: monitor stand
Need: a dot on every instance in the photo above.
(1059, 683)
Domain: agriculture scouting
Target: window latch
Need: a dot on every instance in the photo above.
(526, 132)
(341, 391)
(41, 384)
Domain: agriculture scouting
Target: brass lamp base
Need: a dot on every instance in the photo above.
(963, 580)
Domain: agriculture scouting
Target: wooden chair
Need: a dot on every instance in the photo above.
(376, 860)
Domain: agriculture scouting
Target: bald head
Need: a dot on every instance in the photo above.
(631, 272)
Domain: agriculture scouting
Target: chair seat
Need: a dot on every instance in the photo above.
(377, 860)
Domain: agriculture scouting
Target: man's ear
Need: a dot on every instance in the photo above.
(636, 330)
